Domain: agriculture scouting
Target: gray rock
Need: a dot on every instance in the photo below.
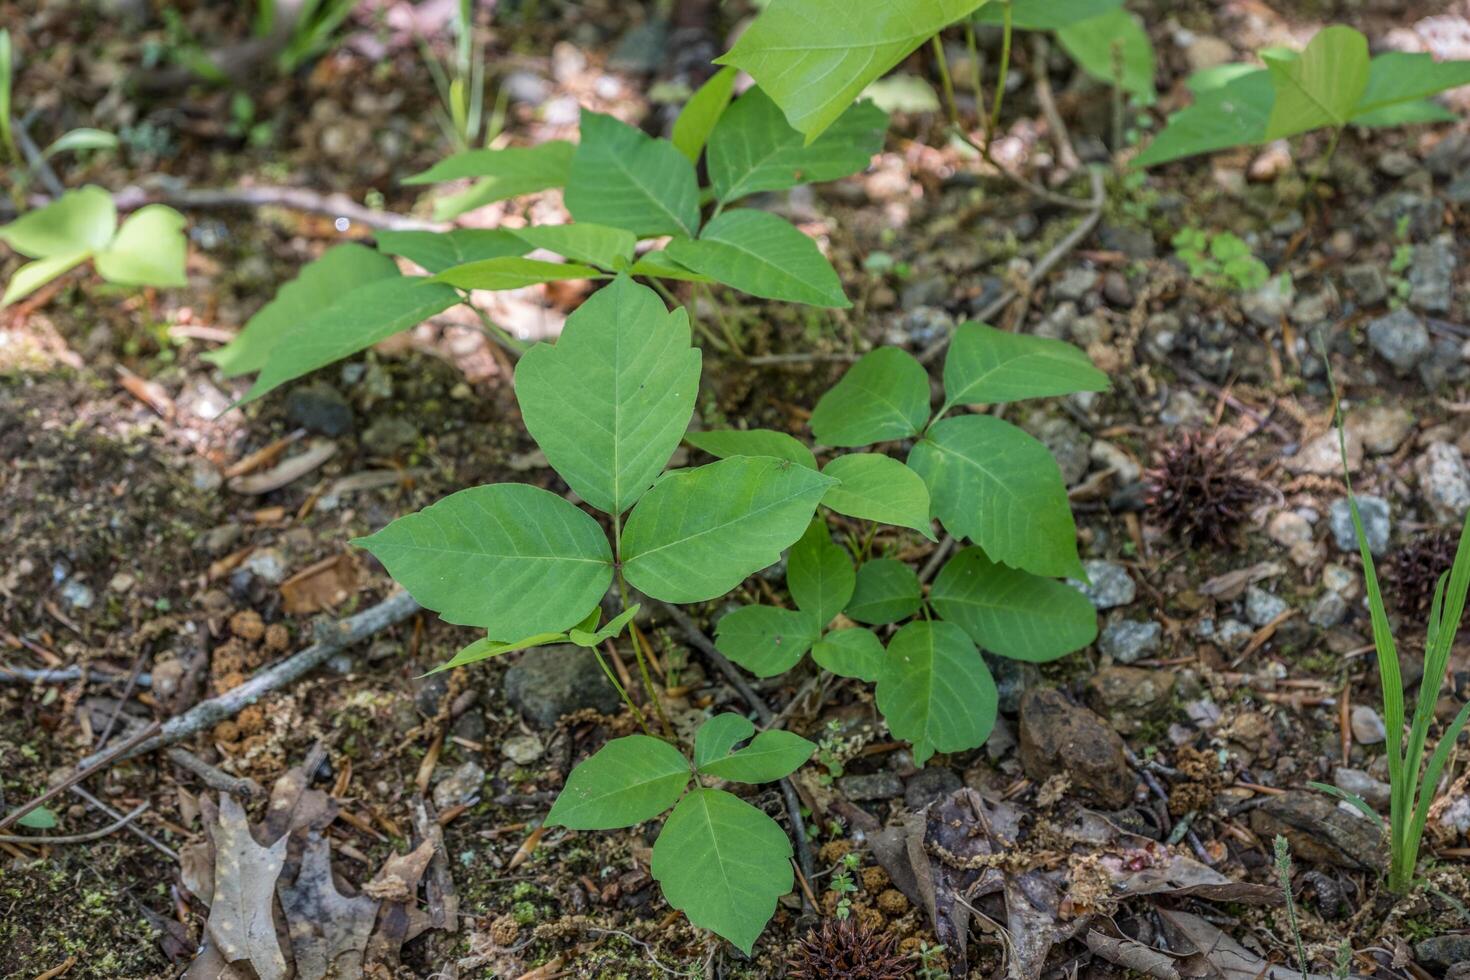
(1329, 610)
(1109, 584)
(1013, 678)
(1074, 284)
(1323, 455)
(460, 786)
(1110, 457)
(429, 692)
(525, 86)
(1319, 831)
(1134, 242)
(1128, 640)
(267, 564)
(1444, 481)
(1129, 696)
(1059, 737)
(1443, 951)
(926, 291)
(1397, 163)
(78, 594)
(1367, 726)
(388, 435)
(1422, 214)
(1261, 606)
(1340, 579)
(523, 749)
(1313, 308)
(319, 408)
(1432, 276)
(1117, 291)
(1380, 428)
(1372, 791)
(1266, 305)
(1400, 338)
(1376, 524)
(548, 682)
(928, 785)
(1232, 634)
(1445, 364)
(1449, 156)
(221, 540)
(870, 786)
(1366, 282)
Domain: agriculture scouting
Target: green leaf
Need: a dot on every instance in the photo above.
(770, 756)
(513, 272)
(989, 366)
(436, 251)
(717, 736)
(658, 265)
(879, 488)
(503, 174)
(1231, 114)
(33, 275)
(1012, 613)
(78, 221)
(355, 322)
(625, 178)
(628, 781)
(1114, 49)
(148, 250)
(699, 532)
(1406, 114)
(935, 691)
(1320, 88)
(82, 138)
(614, 628)
(887, 591)
(1353, 799)
(599, 245)
(485, 648)
(319, 286)
(902, 92)
(854, 652)
(884, 396)
(702, 113)
(754, 149)
(38, 819)
(722, 443)
(813, 57)
(765, 640)
(1400, 77)
(763, 255)
(996, 485)
(610, 401)
(819, 574)
(723, 863)
(512, 559)
(1046, 15)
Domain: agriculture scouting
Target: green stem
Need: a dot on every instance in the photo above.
(515, 348)
(622, 692)
(945, 81)
(1001, 78)
(653, 697)
(731, 337)
(704, 331)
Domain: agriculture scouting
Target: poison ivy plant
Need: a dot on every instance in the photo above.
(148, 249)
(1331, 84)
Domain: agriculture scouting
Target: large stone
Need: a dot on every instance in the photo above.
(1060, 737)
(1108, 584)
(548, 682)
(1129, 696)
(1444, 481)
(1376, 524)
(1432, 276)
(1319, 830)
(1400, 338)
(1128, 640)
(1443, 951)
(319, 408)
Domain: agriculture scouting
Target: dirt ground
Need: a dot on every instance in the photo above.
(1235, 660)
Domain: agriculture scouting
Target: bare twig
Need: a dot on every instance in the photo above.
(1066, 155)
(207, 714)
(132, 828)
(296, 198)
(76, 838)
(85, 768)
(65, 675)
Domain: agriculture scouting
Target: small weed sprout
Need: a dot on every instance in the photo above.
(1283, 871)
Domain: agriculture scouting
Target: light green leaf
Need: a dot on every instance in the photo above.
(884, 396)
(625, 178)
(754, 148)
(1046, 15)
(1115, 49)
(1398, 77)
(1320, 88)
(819, 574)
(33, 275)
(316, 289)
(1231, 114)
(503, 174)
(854, 652)
(148, 250)
(699, 532)
(996, 485)
(83, 138)
(1406, 114)
(813, 57)
(879, 488)
(763, 255)
(902, 92)
(355, 322)
(770, 756)
(723, 863)
(609, 402)
(614, 628)
(485, 648)
(79, 221)
(599, 245)
(989, 366)
(702, 112)
(935, 691)
(512, 559)
(765, 640)
(717, 736)
(887, 591)
(40, 818)
(657, 264)
(722, 443)
(436, 251)
(1012, 613)
(629, 780)
(513, 272)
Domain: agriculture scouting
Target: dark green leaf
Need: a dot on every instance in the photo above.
(1012, 613)
(514, 272)
(765, 640)
(1046, 15)
(599, 245)
(989, 366)
(614, 628)
(1114, 48)
(854, 652)
(625, 178)
(879, 488)
(485, 648)
(882, 397)
(717, 736)
(628, 781)
(503, 174)
(819, 574)
(935, 691)
(770, 756)
(887, 591)
(1232, 114)
(763, 255)
(723, 443)
(1320, 88)
(436, 251)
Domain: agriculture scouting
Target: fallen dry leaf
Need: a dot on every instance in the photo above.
(328, 930)
(240, 918)
(327, 583)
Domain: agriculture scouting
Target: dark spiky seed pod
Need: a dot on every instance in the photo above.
(847, 950)
(1413, 570)
(1197, 492)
